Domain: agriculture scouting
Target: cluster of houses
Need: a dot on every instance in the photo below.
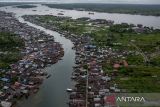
(25, 76)
(92, 84)
(101, 22)
(139, 28)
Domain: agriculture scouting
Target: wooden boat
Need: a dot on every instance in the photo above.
(60, 14)
(91, 13)
(48, 76)
(73, 77)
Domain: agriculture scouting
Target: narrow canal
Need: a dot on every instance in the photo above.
(53, 91)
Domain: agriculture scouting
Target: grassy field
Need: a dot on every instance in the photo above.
(143, 79)
(10, 45)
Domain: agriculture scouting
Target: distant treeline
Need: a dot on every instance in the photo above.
(8, 4)
(141, 9)
(26, 6)
(2, 4)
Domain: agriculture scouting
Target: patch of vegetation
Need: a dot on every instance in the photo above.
(66, 24)
(140, 79)
(155, 60)
(26, 6)
(10, 45)
(134, 59)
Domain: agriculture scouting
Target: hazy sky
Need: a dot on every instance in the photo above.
(95, 1)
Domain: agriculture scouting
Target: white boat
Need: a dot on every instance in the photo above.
(69, 90)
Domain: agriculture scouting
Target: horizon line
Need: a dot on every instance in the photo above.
(74, 3)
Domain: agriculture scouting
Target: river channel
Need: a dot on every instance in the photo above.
(52, 92)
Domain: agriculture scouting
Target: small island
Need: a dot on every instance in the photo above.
(26, 6)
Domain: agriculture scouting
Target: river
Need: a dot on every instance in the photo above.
(52, 92)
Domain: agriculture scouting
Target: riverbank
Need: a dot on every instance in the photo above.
(26, 75)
